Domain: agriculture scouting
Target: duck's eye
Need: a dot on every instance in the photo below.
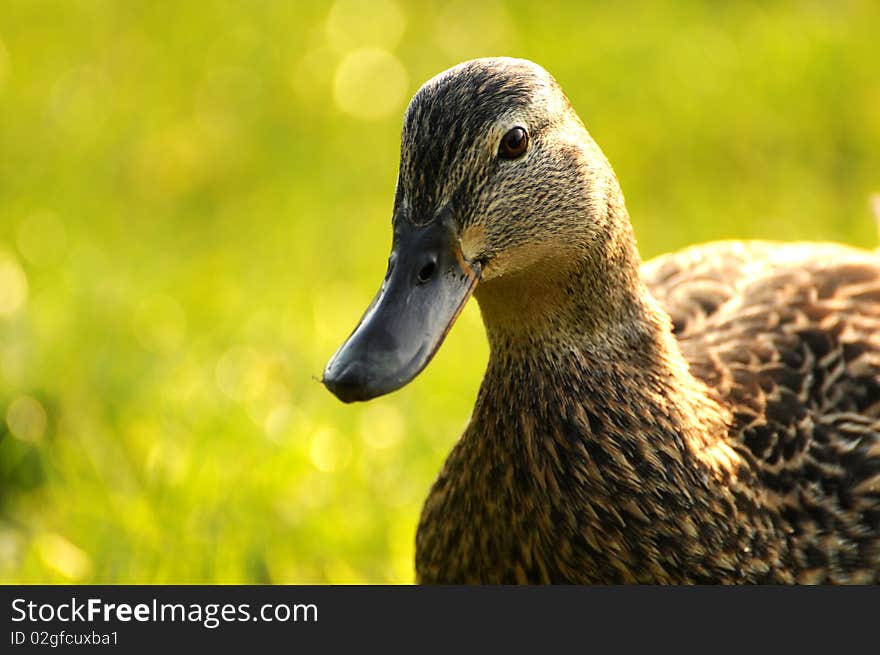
(513, 144)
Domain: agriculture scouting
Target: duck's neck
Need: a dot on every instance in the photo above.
(617, 379)
(591, 342)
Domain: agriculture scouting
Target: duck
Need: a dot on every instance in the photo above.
(711, 416)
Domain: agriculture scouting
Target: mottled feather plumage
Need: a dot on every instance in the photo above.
(711, 416)
(788, 337)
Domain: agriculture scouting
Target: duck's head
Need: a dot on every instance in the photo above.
(501, 192)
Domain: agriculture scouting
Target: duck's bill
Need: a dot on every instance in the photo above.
(427, 284)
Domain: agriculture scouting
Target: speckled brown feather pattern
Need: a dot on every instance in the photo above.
(789, 337)
(711, 416)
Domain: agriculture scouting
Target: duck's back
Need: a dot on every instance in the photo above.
(787, 336)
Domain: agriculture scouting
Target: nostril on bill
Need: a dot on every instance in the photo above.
(427, 272)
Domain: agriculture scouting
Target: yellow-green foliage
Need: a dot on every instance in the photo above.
(194, 210)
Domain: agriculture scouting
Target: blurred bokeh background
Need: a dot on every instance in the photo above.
(195, 204)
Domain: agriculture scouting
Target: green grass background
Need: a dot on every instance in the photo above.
(194, 212)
